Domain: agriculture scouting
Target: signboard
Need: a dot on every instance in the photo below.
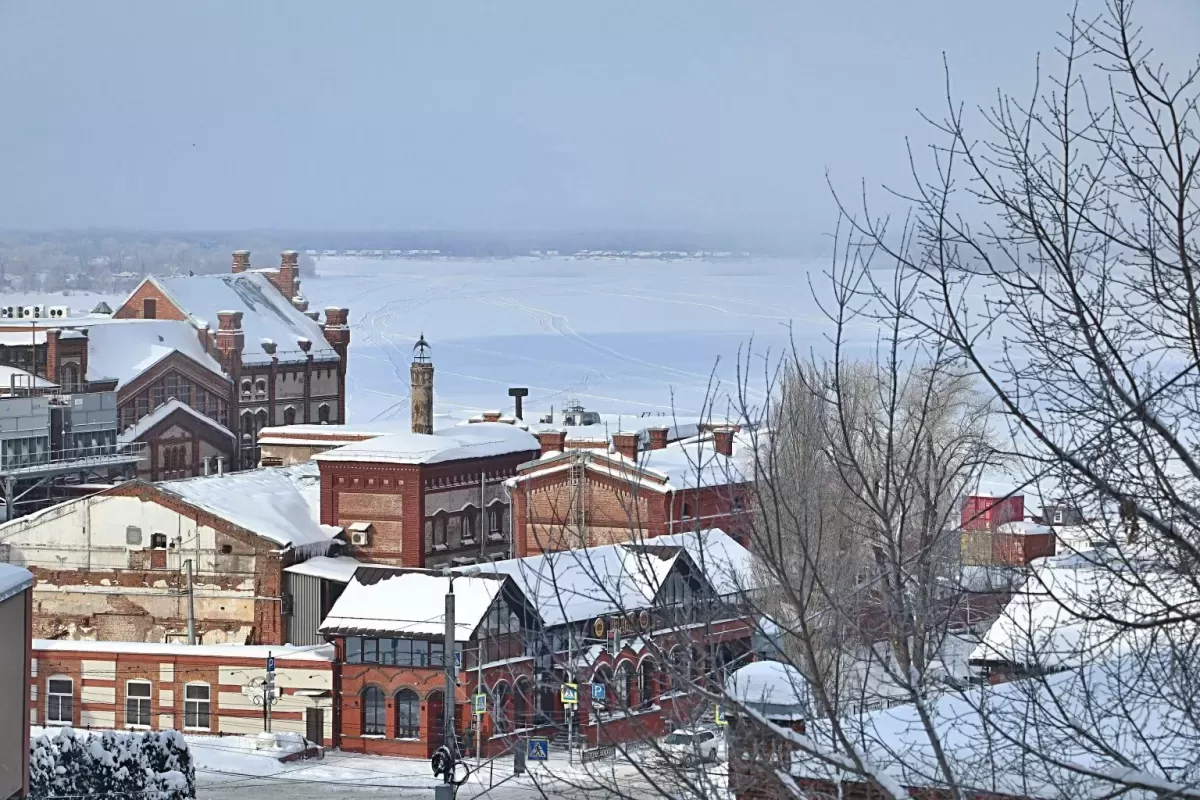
(537, 749)
(570, 694)
(480, 704)
(270, 663)
(598, 691)
(719, 716)
(599, 628)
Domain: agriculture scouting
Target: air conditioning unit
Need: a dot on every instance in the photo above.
(59, 312)
(10, 312)
(33, 312)
(359, 538)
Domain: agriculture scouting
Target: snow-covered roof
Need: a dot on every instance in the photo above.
(125, 348)
(14, 336)
(1078, 608)
(771, 686)
(693, 463)
(24, 379)
(13, 579)
(308, 435)
(318, 652)
(340, 569)
(577, 585)
(385, 600)
(282, 504)
(266, 314)
(147, 423)
(481, 440)
(1024, 528)
(1077, 734)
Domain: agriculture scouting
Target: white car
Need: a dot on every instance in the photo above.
(687, 744)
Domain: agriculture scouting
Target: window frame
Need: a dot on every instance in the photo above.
(378, 713)
(70, 701)
(412, 702)
(189, 702)
(132, 701)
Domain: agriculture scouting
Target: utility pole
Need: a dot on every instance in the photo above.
(448, 656)
(191, 630)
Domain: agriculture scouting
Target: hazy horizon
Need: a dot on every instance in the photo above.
(514, 119)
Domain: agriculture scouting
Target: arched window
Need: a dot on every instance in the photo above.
(374, 717)
(260, 420)
(60, 701)
(260, 386)
(247, 424)
(647, 682)
(323, 413)
(522, 704)
(408, 714)
(500, 707)
(441, 522)
(289, 416)
(495, 519)
(246, 387)
(68, 376)
(622, 683)
(470, 522)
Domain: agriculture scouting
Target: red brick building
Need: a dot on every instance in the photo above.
(641, 487)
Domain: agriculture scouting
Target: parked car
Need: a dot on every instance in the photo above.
(687, 744)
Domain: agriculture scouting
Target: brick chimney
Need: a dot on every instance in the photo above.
(52, 345)
(656, 438)
(723, 441)
(492, 416)
(337, 333)
(241, 261)
(230, 342)
(552, 441)
(269, 347)
(205, 337)
(289, 271)
(626, 444)
(304, 344)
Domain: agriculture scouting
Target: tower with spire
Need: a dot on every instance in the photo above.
(421, 379)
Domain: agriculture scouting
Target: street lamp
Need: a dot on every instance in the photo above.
(449, 650)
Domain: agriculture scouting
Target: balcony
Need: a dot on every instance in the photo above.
(32, 465)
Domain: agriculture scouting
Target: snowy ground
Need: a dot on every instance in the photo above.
(228, 768)
(619, 336)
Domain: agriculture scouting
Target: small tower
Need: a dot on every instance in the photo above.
(421, 376)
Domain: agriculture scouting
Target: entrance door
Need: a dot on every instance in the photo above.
(314, 726)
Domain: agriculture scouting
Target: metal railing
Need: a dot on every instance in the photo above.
(16, 463)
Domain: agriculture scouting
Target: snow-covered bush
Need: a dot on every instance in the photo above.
(152, 765)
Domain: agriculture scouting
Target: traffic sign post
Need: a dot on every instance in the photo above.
(598, 691)
(569, 693)
(480, 704)
(537, 748)
(719, 717)
(270, 663)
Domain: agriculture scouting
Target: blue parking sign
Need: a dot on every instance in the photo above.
(537, 749)
(270, 663)
(597, 691)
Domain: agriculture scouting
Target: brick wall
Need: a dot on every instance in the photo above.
(134, 304)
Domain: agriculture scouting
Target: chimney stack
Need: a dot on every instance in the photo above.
(626, 444)
(723, 441)
(289, 270)
(241, 261)
(305, 344)
(552, 441)
(517, 394)
(656, 438)
(269, 347)
(230, 342)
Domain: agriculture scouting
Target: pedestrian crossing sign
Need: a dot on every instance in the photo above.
(480, 704)
(570, 694)
(719, 716)
(537, 749)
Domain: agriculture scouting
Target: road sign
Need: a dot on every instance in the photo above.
(719, 716)
(537, 749)
(480, 704)
(569, 694)
(598, 691)
(270, 663)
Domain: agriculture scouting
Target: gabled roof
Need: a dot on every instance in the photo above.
(282, 504)
(266, 314)
(410, 603)
(577, 585)
(160, 414)
(125, 348)
(482, 440)
(13, 579)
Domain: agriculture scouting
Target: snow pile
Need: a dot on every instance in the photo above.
(152, 765)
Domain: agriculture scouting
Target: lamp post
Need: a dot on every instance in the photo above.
(449, 651)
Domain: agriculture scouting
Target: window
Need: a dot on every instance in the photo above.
(260, 386)
(149, 308)
(158, 541)
(374, 721)
(60, 703)
(470, 523)
(289, 416)
(196, 706)
(440, 524)
(133, 535)
(737, 503)
(495, 520)
(687, 511)
(370, 651)
(323, 413)
(246, 387)
(408, 714)
(1058, 516)
(353, 650)
(137, 703)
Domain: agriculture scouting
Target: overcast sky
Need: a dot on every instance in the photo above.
(487, 115)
